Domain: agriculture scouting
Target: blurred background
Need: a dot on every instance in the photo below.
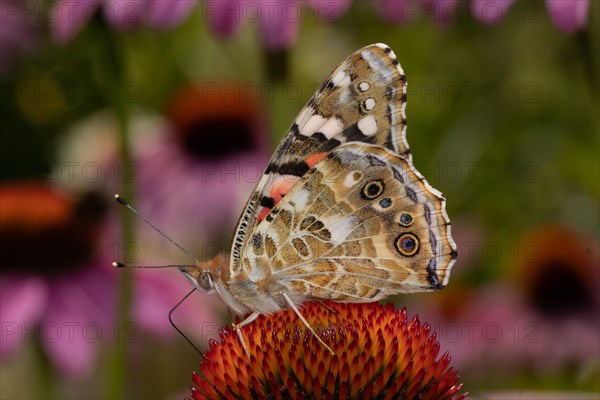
(178, 104)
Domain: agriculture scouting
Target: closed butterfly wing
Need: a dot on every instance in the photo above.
(363, 100)
(362, 224)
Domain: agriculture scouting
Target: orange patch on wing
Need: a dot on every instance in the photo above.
(278, 189)
(315, 158)
(281, 186)
(262, 214)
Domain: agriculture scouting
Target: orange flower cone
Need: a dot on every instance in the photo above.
(378, 354)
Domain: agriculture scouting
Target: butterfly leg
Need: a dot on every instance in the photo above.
(304, 321)
(237, 328)
(325, 306)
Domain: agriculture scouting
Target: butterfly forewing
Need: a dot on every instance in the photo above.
(363, 100)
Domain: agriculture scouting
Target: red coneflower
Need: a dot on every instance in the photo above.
(379, 353)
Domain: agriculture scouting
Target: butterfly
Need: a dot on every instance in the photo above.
(340, 212)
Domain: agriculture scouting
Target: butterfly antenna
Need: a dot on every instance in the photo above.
(175, 326)
(124, 203)
(118, 264)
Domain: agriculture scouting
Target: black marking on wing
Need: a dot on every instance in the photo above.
(411, 194)
(433, 242)
(354, 134)
(329, 145)
(398, 175)
(267, 202)
(454, 254)
(427, 214)
(376, 162)
(432, 277)
(295, 168)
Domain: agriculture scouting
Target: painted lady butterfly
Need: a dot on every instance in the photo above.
(340, 213)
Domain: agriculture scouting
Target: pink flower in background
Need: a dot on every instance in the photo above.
(404, 11)
(196, 173)
(56, 287)
(491, 12)
(72, 16)
(155, 291)
(279, 21)
(568, 16)
(543, 317)
(19, 33)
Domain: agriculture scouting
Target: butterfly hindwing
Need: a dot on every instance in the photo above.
(363, 100)
(362, 224)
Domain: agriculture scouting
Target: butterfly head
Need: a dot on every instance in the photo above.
(204, 275)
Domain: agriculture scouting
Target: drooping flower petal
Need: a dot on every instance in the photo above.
(568, 16)
(329, 10)
(166, 14)
(124, 14)
(224, 16)
(19, 34)
(396, 11)
(446, 11)
(279, 24)
(70, 17)
(22, 300)
(490, 12)
(76, 325)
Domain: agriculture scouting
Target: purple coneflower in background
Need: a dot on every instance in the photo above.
(568, 16)
(403, 11)
(19, 33)
(279, 21)
(71, 16)
(56, 286)
(196, 174)
(543, 317)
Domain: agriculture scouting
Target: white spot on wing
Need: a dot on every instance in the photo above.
(363, 86)
(313, 124)
(300, 198)
(332, 127)
(339, 228)
(377, 64)
(350, 181)
(368, 125)
(370, 104)
(340, 78)
(304, 115)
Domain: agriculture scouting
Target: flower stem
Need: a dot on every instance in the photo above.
(47, 373)
(118, 362)
(276, 63)
(585, 45)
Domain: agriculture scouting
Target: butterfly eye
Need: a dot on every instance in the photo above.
(372, 189)
(405, 219)
(407, 244)
(205, 281)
